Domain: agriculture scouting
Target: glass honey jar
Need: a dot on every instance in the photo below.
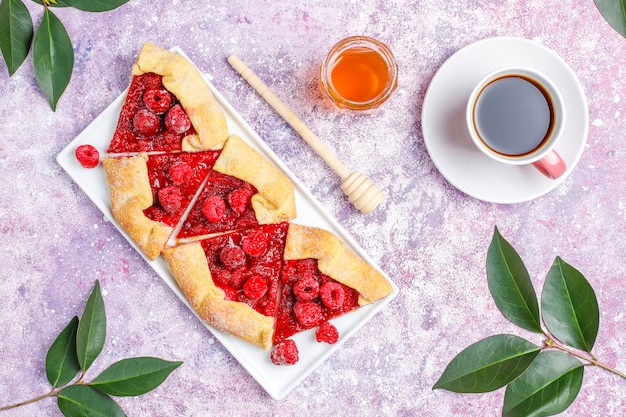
(359, 73)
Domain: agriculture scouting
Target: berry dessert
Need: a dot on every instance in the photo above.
(244, 190)
(234, 281)
(221, 215)
(149, 193)
(168, 107)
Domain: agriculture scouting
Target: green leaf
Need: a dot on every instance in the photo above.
(16, 33)
(96, 5)
(53, 58)
(510, 285)
(488, 364)
(134, 376)
(569, 306)
(614, 11)
(548, 387)
(61, 360)
(84, 401)
(91, 332)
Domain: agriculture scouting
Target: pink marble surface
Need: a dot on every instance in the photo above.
(430, 238)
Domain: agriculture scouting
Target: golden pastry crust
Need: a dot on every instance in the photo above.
(337, 261)
(275, 200)
(182, 79)
(190, 269)
(129, 188)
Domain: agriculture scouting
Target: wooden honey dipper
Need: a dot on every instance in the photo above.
(361, 191)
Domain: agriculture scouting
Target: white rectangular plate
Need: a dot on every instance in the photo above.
(278, 381)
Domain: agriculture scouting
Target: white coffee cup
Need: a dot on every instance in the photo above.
(515, 115)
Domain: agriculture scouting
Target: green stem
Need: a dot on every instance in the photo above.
(52, 393)
(551, 343)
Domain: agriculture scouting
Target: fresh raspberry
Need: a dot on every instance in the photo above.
(176, 120)
(306, 288)
(254, 244)
(181, 172)
(307, 265)
(238, 199)
(157, 100)
(285, 353)
(327, 333)
(255, 287)
(152, 80)
(87, 156)
(308, 313)
(213, 208)
(170, 198)
(146, 123)
(332, 295)
(232, 257)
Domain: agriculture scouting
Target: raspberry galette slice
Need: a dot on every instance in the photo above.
(150, 193)
(168, 107)
(244, 190)
(232, 280)
(321, 279)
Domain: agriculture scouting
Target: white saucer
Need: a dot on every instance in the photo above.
(449, 143)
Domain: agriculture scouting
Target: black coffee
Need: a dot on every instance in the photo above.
(513, 115)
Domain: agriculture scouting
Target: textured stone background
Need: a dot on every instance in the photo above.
(430, 238)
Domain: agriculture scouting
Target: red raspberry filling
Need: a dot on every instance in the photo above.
(332, 295)
(170, 198)
(255, 287)
(213, 208)
(254, 244)
(146, 123)
(232, 257)
(176, 120)
(306, 288)
(285, 353)
(327, 333)
(307, 313)
(157, 99)
(87, 156)
(238, 199)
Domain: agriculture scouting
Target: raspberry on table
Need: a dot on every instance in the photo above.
(327, 332)
(180, 172)
(254, 244)
(255, 287)
(213, 208)
(146, 123)
(176, 120)
(285, 353)
(157, 99)
(170, 198)
(87, 156)
(308, 313)
(306, 288)
(238, 199)
(232, 257)
(332, 295)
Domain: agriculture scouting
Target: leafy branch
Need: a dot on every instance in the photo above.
(540, 380)
(53, 54)
(74, 351)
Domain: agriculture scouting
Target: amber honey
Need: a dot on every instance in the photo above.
(359, 73)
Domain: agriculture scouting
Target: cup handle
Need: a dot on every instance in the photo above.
(551, 165)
